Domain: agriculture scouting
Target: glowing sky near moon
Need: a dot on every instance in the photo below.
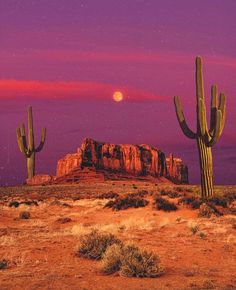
(67, 58)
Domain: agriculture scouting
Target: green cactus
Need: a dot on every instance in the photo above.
(30, 150)
(205, 138)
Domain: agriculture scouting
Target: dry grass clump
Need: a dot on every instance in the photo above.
(130, 261)
(163, 204)
(126, 202)
(111, 261)
(140, 263)
(94, 244)
(108, 195)
(24, 215)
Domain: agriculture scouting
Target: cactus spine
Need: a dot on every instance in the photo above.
(30, 150)
(205, 137)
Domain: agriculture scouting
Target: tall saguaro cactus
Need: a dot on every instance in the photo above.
(29, 150)
(205, 137)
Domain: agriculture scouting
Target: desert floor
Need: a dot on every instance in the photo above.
(41, 250)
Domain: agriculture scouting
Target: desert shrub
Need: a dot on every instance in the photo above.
(189, 189)
(221, 201)
(202, 235)
(59, 203)
(234, 226)
(30, 202)
(194, 229)
(230, 196)
(233, 210)
(65, 204)
(14, 203)
(126, 202)
(130, 261)
(169, 193)
(179, 189)
(108, 195)
(183, 189)
(193, 202)
(4, 264)
(64, 220)
(208, 284)
(75, 198)
(94, 244)
(25, 215)
(111, 261)
(163, 204)
(196, 203)
(141, 193)
(207, 210)
(140, 263)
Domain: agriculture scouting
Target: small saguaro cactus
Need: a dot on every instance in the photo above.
(205, 137)
(29, 150)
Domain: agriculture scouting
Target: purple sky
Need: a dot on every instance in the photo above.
(66, 58)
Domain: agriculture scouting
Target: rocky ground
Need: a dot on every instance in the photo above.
(197, 253)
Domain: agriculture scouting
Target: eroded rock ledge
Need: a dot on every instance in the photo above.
(124, 159)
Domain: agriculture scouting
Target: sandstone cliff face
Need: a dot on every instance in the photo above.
(177, 171)
(136, 160)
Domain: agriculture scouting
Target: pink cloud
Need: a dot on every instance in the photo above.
(71, 89)
(91, 56)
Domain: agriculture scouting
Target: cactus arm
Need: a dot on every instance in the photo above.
(217, 130)
(222, 107)
(22, 132)
(30, 130)
(182, 122)
(20, 141)
(214, 107)
(43, 138)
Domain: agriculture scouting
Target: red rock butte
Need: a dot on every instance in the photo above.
(104, 161)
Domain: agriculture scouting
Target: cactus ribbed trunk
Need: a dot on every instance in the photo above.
(29, 149)
(31, 166)
(206, 138)
(206, 168)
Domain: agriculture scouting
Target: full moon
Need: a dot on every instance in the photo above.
(118, 96)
